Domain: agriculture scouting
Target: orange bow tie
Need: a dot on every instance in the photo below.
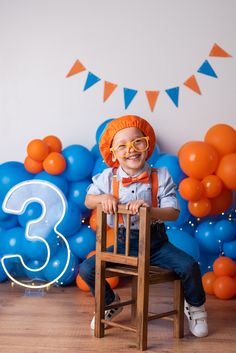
(142, 178)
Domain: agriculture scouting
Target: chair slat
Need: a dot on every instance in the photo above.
(127, 235)
(116, 225)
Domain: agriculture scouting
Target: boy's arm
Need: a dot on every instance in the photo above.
(164, 214)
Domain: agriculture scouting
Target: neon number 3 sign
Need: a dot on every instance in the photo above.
(53, 210)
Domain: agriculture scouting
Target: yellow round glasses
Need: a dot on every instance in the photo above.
(140, 144)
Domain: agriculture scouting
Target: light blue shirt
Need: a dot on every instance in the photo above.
(102, 184)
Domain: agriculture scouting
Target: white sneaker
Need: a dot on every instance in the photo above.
(197, 319)
(109, 314)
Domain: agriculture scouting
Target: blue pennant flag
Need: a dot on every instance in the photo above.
(91, 80)
(129, 95)
(206, 69)
(173, 93)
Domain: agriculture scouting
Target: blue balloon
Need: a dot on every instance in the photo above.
(96, 152)
(78, 192)
(71, 222)
(9, 222)
(224, 230)
(185, 242)
(11, 242)
(3, 275)
(86, 214)
(155, 154)
(32, 211)
(34, 264)
(79, 161)
(12, 173)
(99, 166)
(35, 249)
(184, 214)
(83, 242)
(3, 215)
(206, 238)
(56, 266)
(206, 262)
(16, 269)
(54, 179)
(229, 249)
(188, 228)
(171, 162)
(101, 128)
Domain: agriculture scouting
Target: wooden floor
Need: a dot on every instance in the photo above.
(58, 322)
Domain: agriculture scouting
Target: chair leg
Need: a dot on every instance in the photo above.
(99, 298)
(134, 297)
(179, 306)
(142, 314)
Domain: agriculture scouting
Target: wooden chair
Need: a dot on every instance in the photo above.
(114, 264)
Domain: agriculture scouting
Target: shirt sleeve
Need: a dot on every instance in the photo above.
(167, 190)
(101, 183)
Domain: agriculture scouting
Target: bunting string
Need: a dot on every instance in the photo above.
(173, 92)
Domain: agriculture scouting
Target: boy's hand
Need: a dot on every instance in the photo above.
(109, 203)
(134, 206)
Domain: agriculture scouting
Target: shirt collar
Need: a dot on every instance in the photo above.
(122, 174)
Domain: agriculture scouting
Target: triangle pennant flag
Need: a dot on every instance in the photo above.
(76, 69)
(91, 80)
(219, 52)
(206, 69)
(129, 95)
(108, 90)
(173, 93)
(152, 98)
(191, 83)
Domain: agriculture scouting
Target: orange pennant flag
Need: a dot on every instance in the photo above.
(108, 89)
(218, 51)
(191, 83)
(76, 69)
(152, 98)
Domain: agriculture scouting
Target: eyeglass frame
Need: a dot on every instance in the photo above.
(130, 144)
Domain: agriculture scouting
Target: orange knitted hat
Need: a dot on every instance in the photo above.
(122, 123)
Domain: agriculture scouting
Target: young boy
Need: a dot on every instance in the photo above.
(125, 145)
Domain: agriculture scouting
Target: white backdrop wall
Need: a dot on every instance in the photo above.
(139, 44)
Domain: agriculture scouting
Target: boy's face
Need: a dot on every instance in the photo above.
(129, 159)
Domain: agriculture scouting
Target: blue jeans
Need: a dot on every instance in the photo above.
(162, 254)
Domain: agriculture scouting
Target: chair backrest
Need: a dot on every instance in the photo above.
(141, 262)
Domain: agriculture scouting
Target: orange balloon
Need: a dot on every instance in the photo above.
(93, 252)
(227, 170)
(110, 237)
(198, 159)
(224, 266)
(37, 150)
(113, 281)
(55, 163)
(199, 208)
(224, 287)
(33, 166)
(212, 185)
(191, 189)
(221, 202)
(223, 138)
(82, 284)
(54, 143)
(93, 220)
(208, 280)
